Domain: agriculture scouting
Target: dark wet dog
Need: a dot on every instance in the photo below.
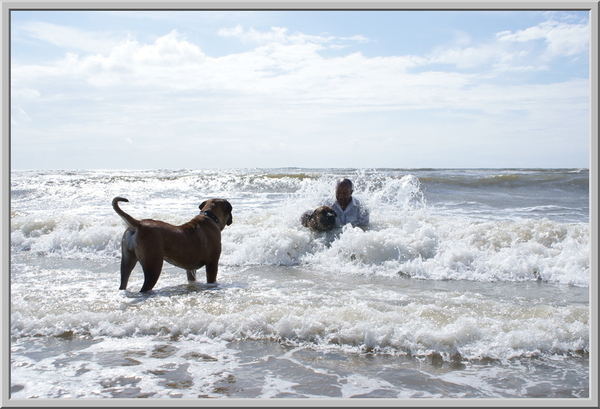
(321, 219)
(190, 246)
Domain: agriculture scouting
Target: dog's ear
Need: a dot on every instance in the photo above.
(334, 213)
(230, 219)
(305, 218)
(202, 205)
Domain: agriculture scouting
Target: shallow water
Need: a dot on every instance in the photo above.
(286, 332)
(432, 301)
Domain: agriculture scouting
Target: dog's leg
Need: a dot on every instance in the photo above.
(152, 266)
(211, 272)
(191, 275)
(128, 259)
(127, 264)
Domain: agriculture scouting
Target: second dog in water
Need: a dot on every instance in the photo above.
(321, 219)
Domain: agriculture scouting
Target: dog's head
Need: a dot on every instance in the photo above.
(324, 217)
(220, 208)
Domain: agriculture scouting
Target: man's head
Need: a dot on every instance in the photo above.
(343, 192)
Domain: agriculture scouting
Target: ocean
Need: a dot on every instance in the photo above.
(468, 283)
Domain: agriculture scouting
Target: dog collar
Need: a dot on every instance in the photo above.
(212, 216)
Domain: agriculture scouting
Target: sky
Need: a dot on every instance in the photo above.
(313, 89)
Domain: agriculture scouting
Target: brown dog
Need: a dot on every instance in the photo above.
(190, 246)
(321, 219)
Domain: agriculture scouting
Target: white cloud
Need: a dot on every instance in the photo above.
(286, 71)
(561, 39)
(19, 116)
(470, 56)
(284, 84)
(69, 37)
(26, 93)
(277, 34)
(167, 50)
(514, 52)
(127, 62)
(280, 35)
(288, 68)
(283, 63)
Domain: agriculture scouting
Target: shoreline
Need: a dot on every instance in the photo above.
(268, 369)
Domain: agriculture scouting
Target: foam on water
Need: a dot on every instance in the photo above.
(180, 335)
(101, 368)
(425, 281)
(300, 307)
(406, 235)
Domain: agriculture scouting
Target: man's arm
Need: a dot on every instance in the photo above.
(363, 217)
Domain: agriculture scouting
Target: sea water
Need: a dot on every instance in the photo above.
(467, 284)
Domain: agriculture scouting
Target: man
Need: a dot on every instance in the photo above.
(348, 208)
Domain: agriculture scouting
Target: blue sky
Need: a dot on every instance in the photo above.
(350, 89)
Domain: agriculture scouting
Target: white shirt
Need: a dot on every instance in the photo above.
(354, 213)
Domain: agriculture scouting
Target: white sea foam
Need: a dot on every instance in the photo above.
(406, 237)
(424, 281)
(356, 317)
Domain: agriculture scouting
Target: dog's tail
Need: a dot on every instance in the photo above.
(131, 222)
